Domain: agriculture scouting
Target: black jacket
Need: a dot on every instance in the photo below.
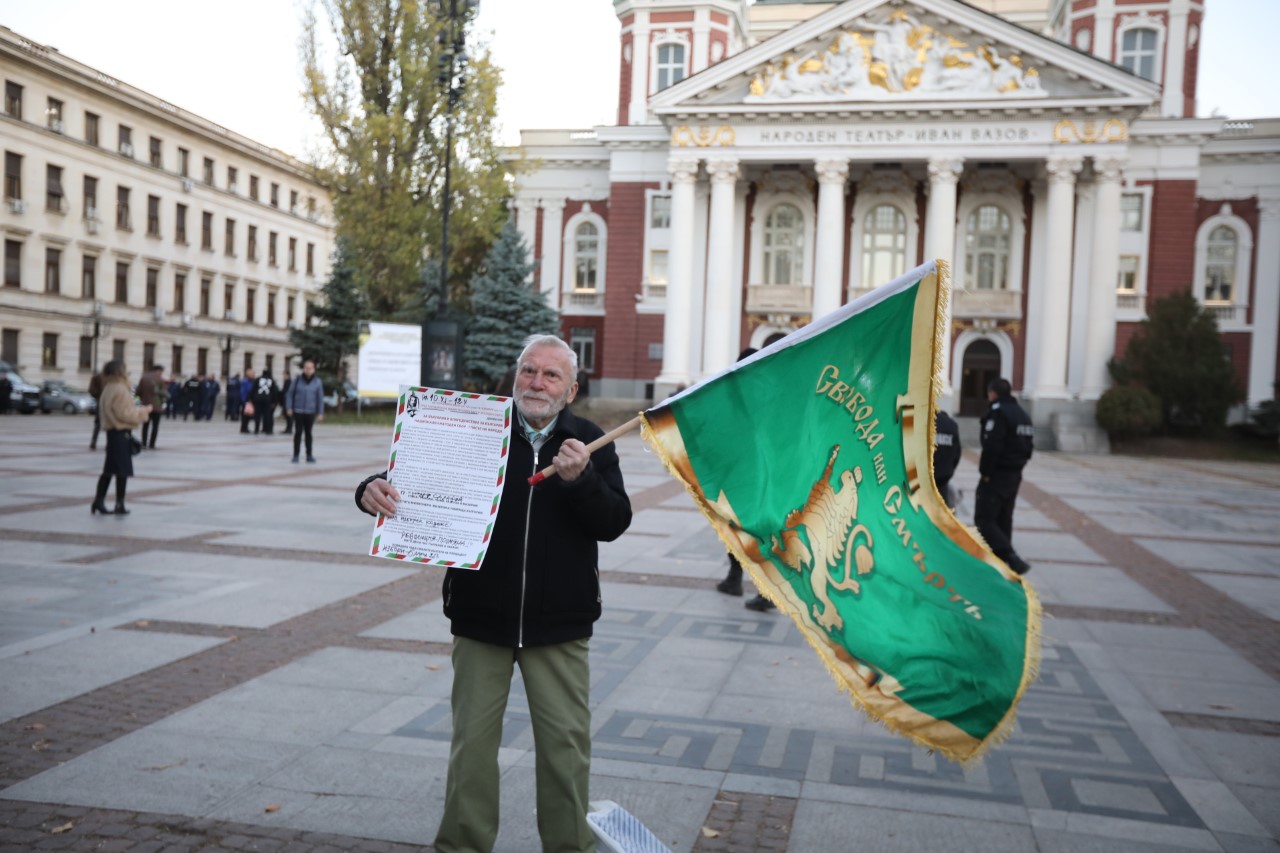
(1007, 438)
(540, 583)
(946, 448)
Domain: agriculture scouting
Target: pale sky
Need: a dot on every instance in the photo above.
(235, 62)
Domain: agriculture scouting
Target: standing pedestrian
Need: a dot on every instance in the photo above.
(246, 399)
(119, 416)
(209, 390)
(946, 455)
(191, 397)
(150, 394)
(1007, 440)
(6, 389)
(304, 403)
(531, 604)
(175, 395)
(95, 391)
(265, 397)
(284, 401)
(233, 398)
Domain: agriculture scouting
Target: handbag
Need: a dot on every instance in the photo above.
(135, 446)
(248, 409)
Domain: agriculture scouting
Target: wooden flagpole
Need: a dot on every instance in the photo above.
(550, 470)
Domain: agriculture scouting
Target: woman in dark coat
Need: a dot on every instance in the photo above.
(119, 416)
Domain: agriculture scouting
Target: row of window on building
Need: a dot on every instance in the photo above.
(55, 121)
(206, 307)
(56, 202)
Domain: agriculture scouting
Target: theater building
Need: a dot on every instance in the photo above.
(136, 230)
(773, 161)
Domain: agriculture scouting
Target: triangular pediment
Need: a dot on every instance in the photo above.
(917, 55)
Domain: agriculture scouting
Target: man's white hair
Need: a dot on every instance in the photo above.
(535, 341)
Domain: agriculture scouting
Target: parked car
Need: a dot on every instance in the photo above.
(56, 394)
(331, 396)
(25, 397)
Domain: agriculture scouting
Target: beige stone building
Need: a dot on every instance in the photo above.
(133, 229)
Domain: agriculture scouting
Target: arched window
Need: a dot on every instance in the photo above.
(1138, 48)
(884, 245)
(987, 240)
(670, 65)
(586, 256)
(784, 246)
(1220, 266)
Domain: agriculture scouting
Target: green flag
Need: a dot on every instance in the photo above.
(813, 461)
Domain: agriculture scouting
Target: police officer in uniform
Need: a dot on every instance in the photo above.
(1007, 437)
(946, 455)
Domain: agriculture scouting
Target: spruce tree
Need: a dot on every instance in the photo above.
(332, 333)
(505, 310)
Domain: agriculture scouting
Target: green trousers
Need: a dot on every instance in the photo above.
(557, 683)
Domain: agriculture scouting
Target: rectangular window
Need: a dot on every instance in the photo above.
(248, 361)
(12, 175)
(153, 287)
(311, 259)
(1131, 212)
(271, 248)
(122, 208)
(660, 211)
(86, 352)
(293, 201)
(208, 171)
(253, 242)
(12, 264)
(53, 115)
(180, 292)
(122, 282)
(202, 361)
(13, 99)
(49, 350)
(90, 197)
(583, 341)
(288, 310)
(118, 348)
(250, 305)
(91, 129)
(124, 140)
(206, 230)
(1127, 278)
(293, 254)
(275, 195)
(157, 155)
(270, 363)
(153, 216)
(148, 355)
(311, 207)
(253, 187)
(89, 277)
(176, 358)
(206, 296)
(230, 247)
(232, 175)
(9, 346)
(52, 270)
(180, 225)
(229, 301)
(54, 199)
(184, 162)
(271, 309)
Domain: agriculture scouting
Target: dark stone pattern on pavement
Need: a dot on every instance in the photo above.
(747, 823)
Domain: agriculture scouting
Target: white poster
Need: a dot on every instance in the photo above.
(448, 462)
(390, 357)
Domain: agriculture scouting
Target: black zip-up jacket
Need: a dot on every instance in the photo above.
(946, 448)
(1007, 438)
(540, 581)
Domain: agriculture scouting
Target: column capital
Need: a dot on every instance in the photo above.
(526, 203)
(1109, 169)
(1063, 170)
(945, 170)
(684, 170)
(553, 204)
(831, 171)
(722, 170)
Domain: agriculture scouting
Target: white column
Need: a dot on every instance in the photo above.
(527, 224)
(1035, 293)
(676, 324)
(828, 272)
(282, 308)
(720, 322)
(1266, 303)
(940, 235)
(1104, 29)
(1056, 304)
(552, 226)
(239, 300)
(639, 108)
(1175, 58)
(164, 286)
(1100, 334)
(701, 40)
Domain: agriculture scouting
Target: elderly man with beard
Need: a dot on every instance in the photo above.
(532, 603)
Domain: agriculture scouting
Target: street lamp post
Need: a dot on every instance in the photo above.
(96, 326)
(441, 358)
(227, 343)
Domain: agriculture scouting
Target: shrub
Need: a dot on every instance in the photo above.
(1128, 410)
